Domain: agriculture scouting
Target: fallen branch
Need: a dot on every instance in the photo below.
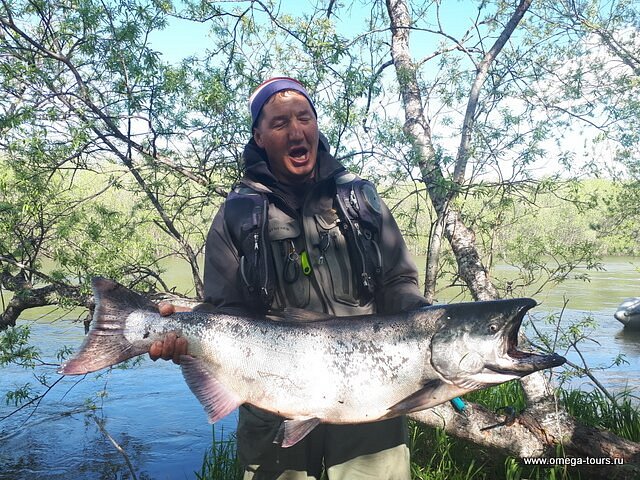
(538, 432)
(116, 445)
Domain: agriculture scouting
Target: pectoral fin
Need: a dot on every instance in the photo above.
(292, 431)
(218, 401)
(431, 394)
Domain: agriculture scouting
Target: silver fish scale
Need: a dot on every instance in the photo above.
(346, 372)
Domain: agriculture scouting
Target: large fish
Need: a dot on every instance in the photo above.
(320, 369)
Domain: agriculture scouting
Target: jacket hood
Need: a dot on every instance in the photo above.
(256, 163)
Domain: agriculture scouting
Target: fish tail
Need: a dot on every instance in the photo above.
(106, 344)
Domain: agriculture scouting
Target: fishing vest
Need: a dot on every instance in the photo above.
(328, 259)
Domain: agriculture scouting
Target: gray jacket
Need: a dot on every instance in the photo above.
(298, 221)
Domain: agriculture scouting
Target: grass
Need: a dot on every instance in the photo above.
(220, 461)
(509, 393)
(594, 409)
(437, 456)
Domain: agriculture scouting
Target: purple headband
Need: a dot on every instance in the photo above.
(274, 85)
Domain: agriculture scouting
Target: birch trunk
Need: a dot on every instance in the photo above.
(416, 127)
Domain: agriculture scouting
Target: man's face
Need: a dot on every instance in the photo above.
(288, 131)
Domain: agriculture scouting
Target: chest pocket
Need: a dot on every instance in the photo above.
(287, 244)
(333, 259)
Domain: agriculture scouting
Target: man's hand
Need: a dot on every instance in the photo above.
(173, 346)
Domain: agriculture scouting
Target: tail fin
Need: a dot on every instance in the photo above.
(106, 344)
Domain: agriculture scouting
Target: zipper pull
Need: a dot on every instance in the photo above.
(325, 241)
(353, 200)
(256, 248)
(291, 270)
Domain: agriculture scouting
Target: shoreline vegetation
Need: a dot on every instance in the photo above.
(438, 456)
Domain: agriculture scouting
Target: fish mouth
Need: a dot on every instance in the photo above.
(520, 362)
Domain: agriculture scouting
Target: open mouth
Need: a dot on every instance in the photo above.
(299, 154)
(520, 362)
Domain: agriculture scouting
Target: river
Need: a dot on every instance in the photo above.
(149, 411)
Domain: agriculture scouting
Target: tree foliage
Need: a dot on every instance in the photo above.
(86, 91)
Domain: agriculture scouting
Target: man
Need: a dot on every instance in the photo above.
(300, 231)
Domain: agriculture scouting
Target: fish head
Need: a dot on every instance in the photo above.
(476, 344)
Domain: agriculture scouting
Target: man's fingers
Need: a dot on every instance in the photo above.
(155, 351)
(166, 309)
(171, 348)
(179, 350)
(168, 346)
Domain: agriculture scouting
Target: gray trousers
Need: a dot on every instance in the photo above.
(369, 451)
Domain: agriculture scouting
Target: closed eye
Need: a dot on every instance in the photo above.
(278, 122)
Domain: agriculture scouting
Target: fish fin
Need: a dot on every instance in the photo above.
(218, 401)
(292, 431)
(105, 344)
(300, 315)
(470, 384)
(431, 394)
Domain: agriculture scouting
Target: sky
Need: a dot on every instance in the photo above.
(183, 38)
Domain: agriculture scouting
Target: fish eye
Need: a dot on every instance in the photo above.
(493, 328)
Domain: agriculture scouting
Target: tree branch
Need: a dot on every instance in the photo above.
(476, 88)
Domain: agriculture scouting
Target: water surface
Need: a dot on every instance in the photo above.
(148, 410)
